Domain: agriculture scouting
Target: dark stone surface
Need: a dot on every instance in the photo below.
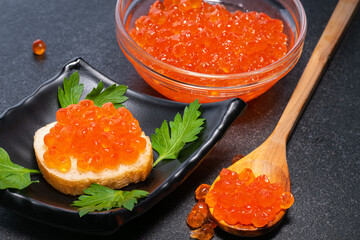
(323, 152)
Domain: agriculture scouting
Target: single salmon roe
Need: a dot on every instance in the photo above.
(243, 199)
(205, 38)
(201, 192)
(197, 216)
(287, 200)
(205, 232)
(236, 158)
(247, 176)
(39, 47)
(98, 137)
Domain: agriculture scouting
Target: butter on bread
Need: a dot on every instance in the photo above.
(74, 181)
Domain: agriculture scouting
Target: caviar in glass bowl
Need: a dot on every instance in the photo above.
(190, 49)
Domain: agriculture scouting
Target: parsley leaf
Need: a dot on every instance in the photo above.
(113, 94)
(102, 198)
(182, 131)
(13, 175)
(72, 90)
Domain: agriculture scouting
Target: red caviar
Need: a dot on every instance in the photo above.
(205, 38)
(200, 219)
(198, 214)
(243, 199)
(201, 192)
(98, 137)
(39, 47)
(205, 232)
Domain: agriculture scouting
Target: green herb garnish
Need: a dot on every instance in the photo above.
(72, 90)
(100, 198)
(182, 131)
(114, 93)
(13, 175)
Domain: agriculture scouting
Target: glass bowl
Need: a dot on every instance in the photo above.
(247, 85)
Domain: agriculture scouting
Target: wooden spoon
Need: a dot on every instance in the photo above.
(270, 157)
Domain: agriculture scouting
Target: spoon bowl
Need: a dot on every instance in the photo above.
(270, 157)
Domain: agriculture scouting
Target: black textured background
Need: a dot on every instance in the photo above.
(323, 152)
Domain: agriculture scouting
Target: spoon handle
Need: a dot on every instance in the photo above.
(338, 22)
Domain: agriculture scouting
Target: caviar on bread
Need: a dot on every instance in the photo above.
(90, 144)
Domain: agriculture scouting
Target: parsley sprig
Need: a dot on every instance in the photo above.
(112, 94)
(183, 130)
(13, 175)
(73, 90)
(100, 198)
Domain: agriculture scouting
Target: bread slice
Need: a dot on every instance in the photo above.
(74, 181)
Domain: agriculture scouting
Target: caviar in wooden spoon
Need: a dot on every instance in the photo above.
(245, 200)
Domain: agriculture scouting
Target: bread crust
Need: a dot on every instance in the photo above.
(74, 181)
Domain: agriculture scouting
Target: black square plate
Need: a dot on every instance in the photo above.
(43, 203)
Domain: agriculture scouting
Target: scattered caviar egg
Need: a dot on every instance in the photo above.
(197, 215)
(98, 137)
(236, 158)
(199, 219)
(201, 191)
(39, 47)
(201, 37)
(245, 199)
(205, 232)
